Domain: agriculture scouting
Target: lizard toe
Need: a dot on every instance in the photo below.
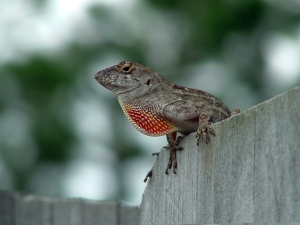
(202, 133)
(149, 174)
(175, 166)
(155, 153)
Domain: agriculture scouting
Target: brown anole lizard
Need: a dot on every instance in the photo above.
(157, 107)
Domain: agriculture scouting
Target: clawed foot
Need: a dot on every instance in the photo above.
(203, 131)
(173, 147)
(173, 160)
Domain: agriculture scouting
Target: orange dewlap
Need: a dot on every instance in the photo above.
(147, 121)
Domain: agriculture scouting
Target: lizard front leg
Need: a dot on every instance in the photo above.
(204, 127)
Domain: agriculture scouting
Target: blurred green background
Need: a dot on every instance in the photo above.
(64, 135)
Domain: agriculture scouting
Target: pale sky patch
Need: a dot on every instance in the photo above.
(282, 55)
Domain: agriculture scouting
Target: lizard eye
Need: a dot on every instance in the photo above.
(126, 67)
(148, 82)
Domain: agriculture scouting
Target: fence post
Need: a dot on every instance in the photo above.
(248, 173)
(28, 209)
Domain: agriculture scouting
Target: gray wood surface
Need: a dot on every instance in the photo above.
(248, 173)
(27, 209)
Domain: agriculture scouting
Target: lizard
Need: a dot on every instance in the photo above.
(155, 106)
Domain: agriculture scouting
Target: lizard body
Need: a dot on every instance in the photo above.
(155, 106)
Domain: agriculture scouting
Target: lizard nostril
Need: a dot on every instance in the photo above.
(148, 82)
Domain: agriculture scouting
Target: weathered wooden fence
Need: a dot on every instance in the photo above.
(248, 173)
(27, 209)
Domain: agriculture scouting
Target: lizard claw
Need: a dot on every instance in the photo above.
(235, 112)
(155, 154)
(175, 167)
(202, 133)
(149, 174)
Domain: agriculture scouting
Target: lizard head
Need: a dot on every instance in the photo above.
(127, 78)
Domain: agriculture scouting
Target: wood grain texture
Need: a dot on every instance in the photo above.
(248, 173)
(27, 209)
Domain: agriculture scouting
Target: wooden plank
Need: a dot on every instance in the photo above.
(249, 172)
(6, 208)
(129, 215)
(277, 159)
(27, 209)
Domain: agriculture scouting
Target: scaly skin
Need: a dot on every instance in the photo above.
(157, 107)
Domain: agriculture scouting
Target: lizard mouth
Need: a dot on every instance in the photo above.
(97, 75)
